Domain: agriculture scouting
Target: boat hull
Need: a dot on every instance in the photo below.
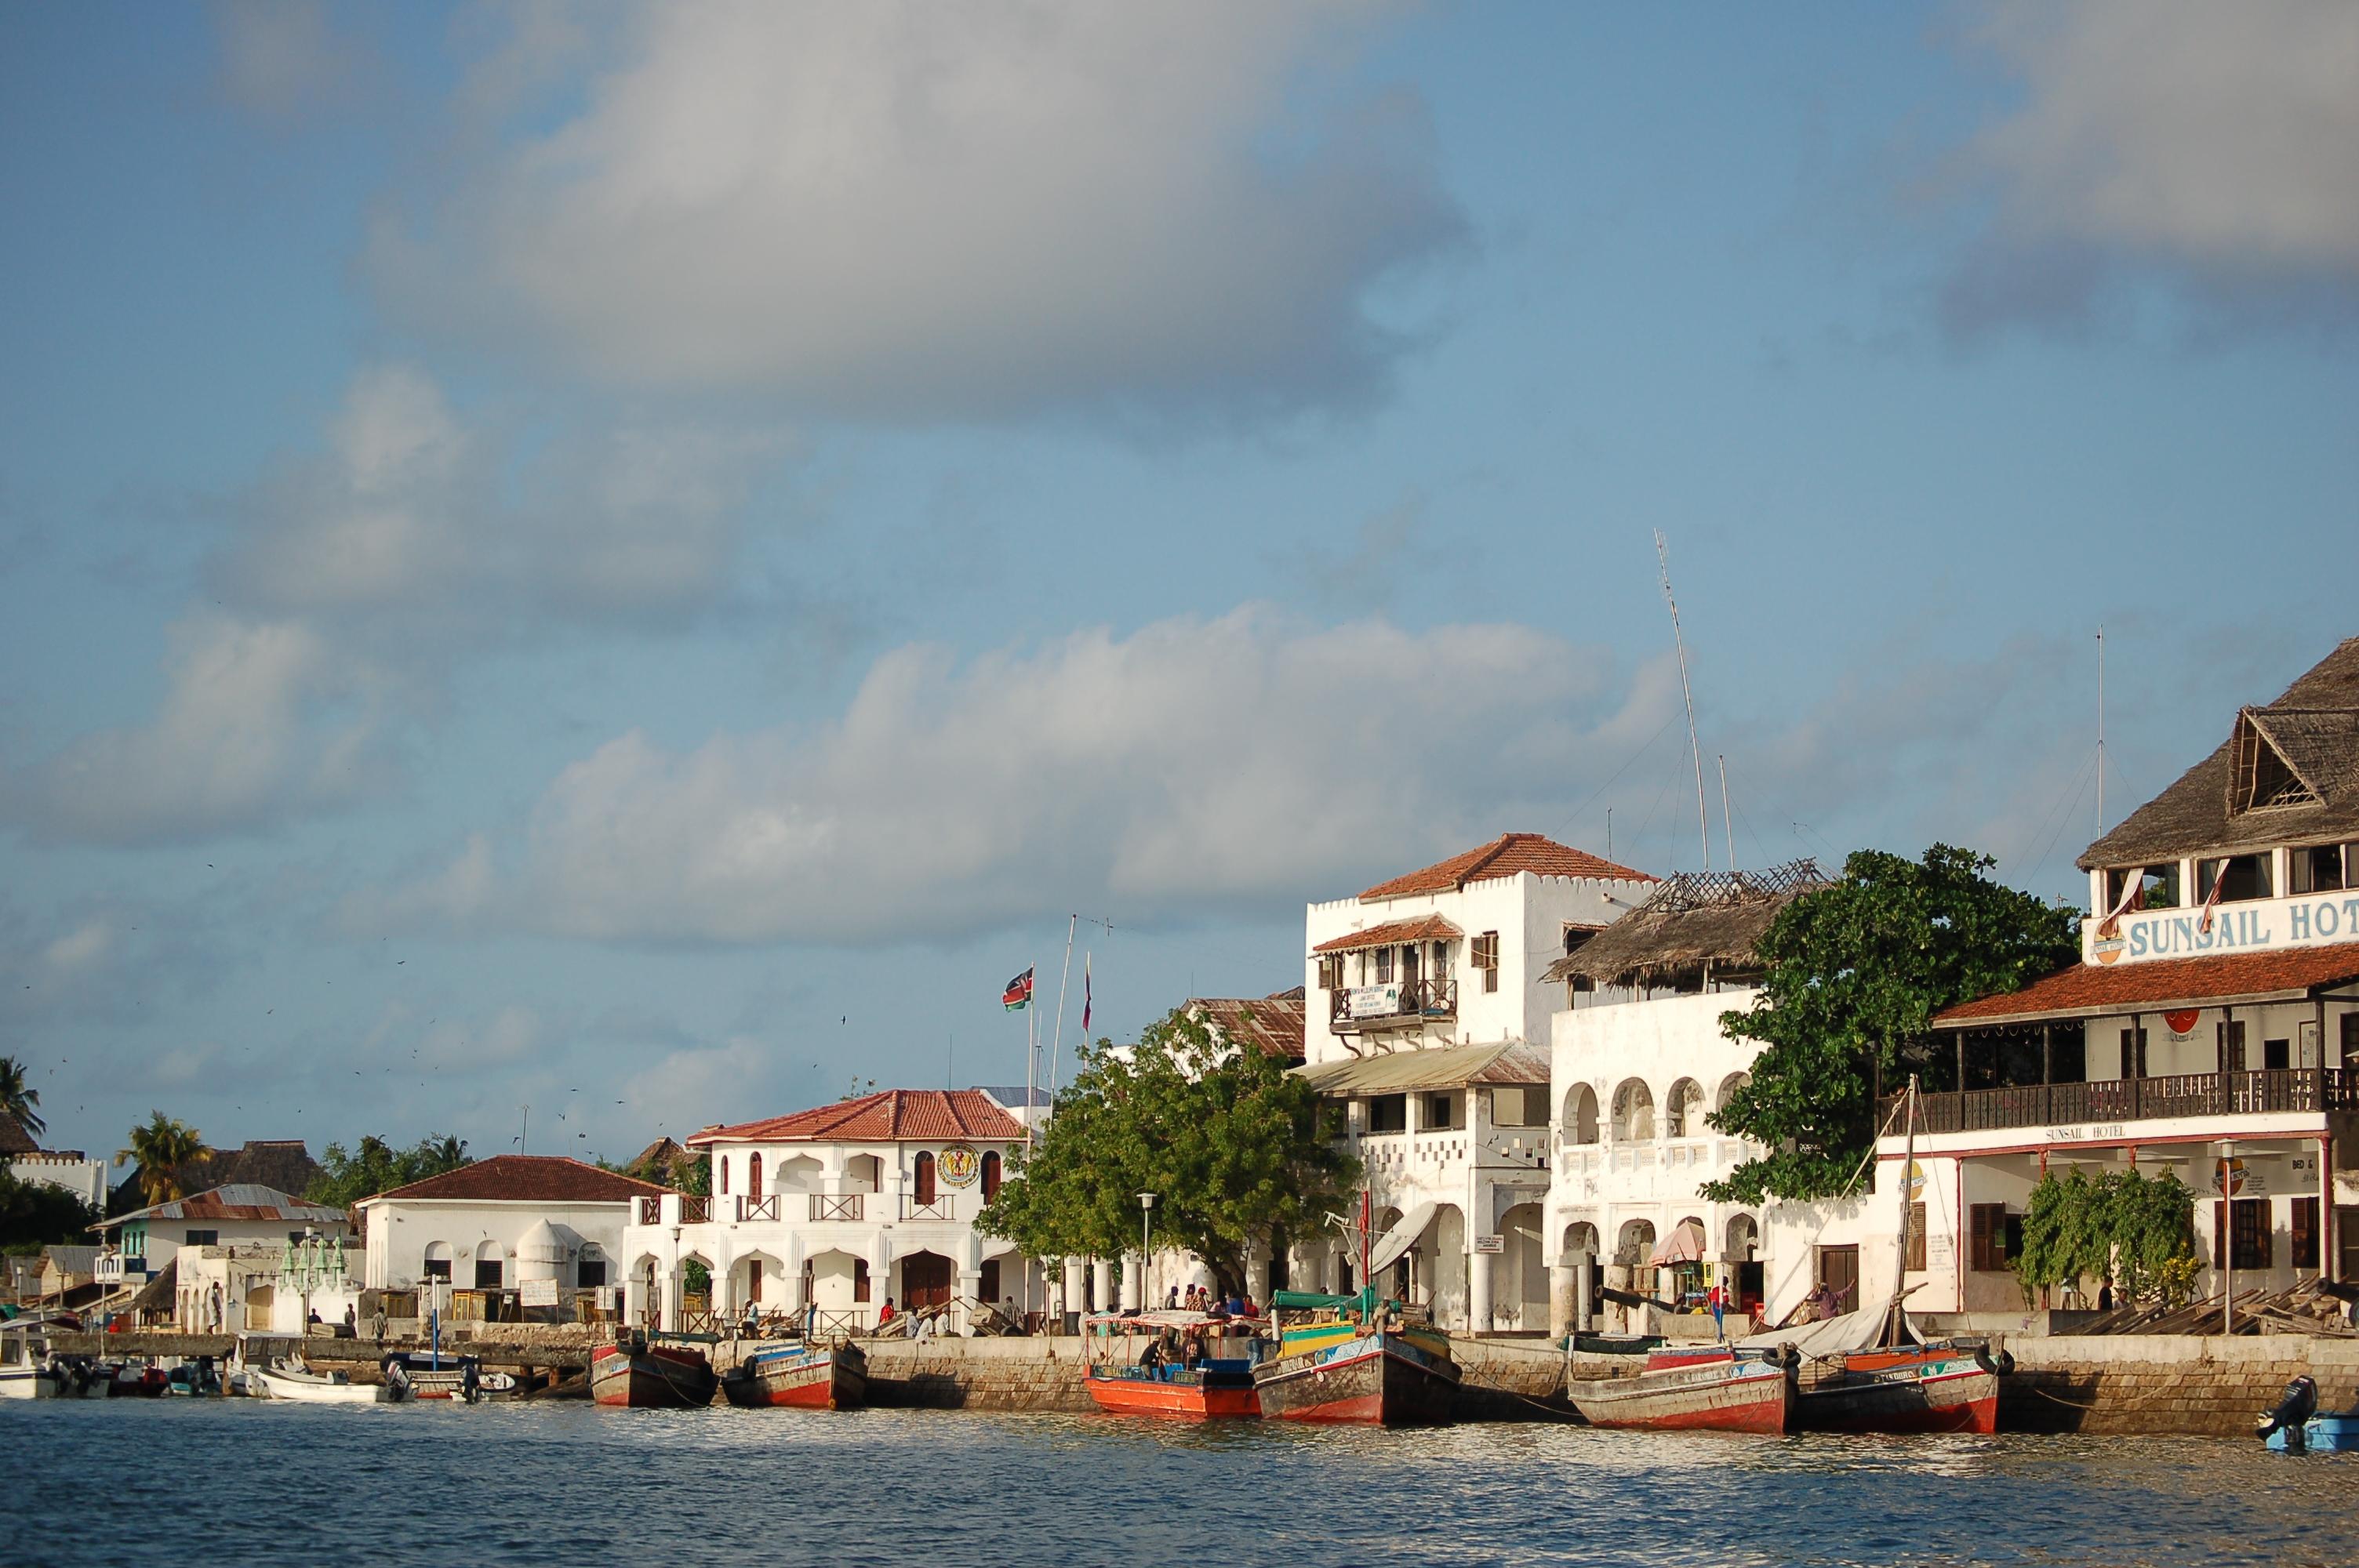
(1195, 1400)
(290, 1389)
(1710, 1396)
(660, 1377)
(2323, 1433)
(831, 1379)
(1903, 1391)
(30, 1383)
(1376, 1380)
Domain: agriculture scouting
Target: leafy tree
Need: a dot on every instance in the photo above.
(2122, 1228)
(35, 1214)
(375, 1166)
(1227, 1139)
(1854, 973)
(19, 1100)
(163, 1149)
(693, 1176)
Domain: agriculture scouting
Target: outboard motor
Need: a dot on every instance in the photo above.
(2293, 1411)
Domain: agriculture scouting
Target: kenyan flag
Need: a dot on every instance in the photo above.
(1019, 992)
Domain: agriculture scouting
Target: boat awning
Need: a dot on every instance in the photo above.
(1392, 934)
(2099, 990)
(1442, 1067)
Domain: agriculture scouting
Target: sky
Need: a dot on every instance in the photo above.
(548, 552)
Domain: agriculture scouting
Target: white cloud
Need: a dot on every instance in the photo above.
(282, 58)
(2219, 142)
(85, 944)
(258, 719)
(1191, 764)
(906, 210)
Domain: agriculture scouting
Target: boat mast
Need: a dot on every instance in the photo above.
(1695, 747)
(1908, 1211)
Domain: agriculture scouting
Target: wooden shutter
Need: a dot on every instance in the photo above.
(1917, 1235)
(2304, 1234)
(1979, 1220)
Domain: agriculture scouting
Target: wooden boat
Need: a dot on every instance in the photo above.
(651, 1377)
(1365, 1369)
(1219, 1387)
(290, 1381)
(1941, 1387)
(1711, 1391)
(800, 1376)
(459, 1377)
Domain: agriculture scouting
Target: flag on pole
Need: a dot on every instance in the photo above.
(1085, 996)
(1019, 992)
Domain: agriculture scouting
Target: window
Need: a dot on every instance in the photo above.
(438, 1260)
(2158, 887)
(2241, 877)
(1383, 965)
(487, 1274)
(201, 1238)
(2251, 1217)
(2228, 1038)
(1519, 1106)
(1440, 1113)
(1915, 1235)
(2350, 1042)
(1485, 957)
(2134, 1052)
(2276, 1056)
(2322, 868)
(590, 1269)
(723, 1188)
(2304, 1238)
(921, 1184)
(860, 1279)
(991, 1170)
(1388, 1113)
(1996, 1235)
(1331, 971)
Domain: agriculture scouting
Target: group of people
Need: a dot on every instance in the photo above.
(1200, 1298)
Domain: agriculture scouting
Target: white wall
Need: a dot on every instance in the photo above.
(401, 1229)
(86, 1179)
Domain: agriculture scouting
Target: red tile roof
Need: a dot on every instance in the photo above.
(1272, 1024)
(2092, 988)
(1424, 928)
(526, 1178)
(885, 1117)
(1510, 854)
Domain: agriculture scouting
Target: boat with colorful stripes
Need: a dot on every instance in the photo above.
(1356, 1362)
(644, 1375)
(800, 1375)
(1712, 1388)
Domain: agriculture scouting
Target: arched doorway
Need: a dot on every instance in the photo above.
(1520, 1297)
(1580, 1114)
(260, 1301)
(753, 1174)
(1748, 1276)
(1444, 1266)
(928, 1280)
(991, 1175)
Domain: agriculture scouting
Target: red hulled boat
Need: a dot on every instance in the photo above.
(651, 1377)
(800, 1377)
(1711, 1391)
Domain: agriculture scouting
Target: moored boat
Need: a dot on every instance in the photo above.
(646, 1376)
(427, 1376)
(1362, 1367)
(292, 1381)
(1714, 1390)
(800, 1376)
(1193, 1366)
(26, 1370)
(1939, 1387)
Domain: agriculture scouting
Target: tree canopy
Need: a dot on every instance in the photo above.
(375, 1166)
(2118, 1227)
(1226, 1139)
(1853, 974)
(163, 1148)
(20, 1099)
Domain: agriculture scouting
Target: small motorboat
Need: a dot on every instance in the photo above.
(26, 1371)
(1713, 1388)
(196, 1379)
(289, 1380)
(800, 1376)
(2297, 1426)
(461, 1378)
(1356, 1362)
(643, 1375)
(1160, 1381)
(138, 1382)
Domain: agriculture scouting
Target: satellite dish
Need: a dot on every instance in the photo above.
(1401, 1239)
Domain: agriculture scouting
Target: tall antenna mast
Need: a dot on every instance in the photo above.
(2101, 730)
(1695, 747)
(1727, 823)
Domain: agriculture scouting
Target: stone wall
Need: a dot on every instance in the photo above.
(1008, 1374)
(2155, 1383)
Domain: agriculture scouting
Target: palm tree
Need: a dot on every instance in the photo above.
(18, 1101)
(163, 1149)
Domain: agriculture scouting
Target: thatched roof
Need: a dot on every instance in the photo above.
(14, 1139)
(157, 1295)
(1692, 920)
(2287, 773)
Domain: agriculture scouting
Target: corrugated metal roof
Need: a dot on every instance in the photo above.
(238, 1201)
(1443, 1067)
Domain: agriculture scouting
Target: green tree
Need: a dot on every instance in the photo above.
(374, 1165)
(35, 1214)
(19, 1100)
(163, 1149)
(1853, 974)
(1227, 1139)
(2122, 1228)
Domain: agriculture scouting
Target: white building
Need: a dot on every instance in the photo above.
(2211, 1029)
(63, 1168)
(1637, 1059)
(262, 1287)
(1427, 1022)
(144, 1242)
(503, 1224)
(835, 1208)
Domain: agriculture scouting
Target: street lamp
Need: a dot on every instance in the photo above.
(1146, 1228)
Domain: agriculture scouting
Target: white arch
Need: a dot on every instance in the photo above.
(1728, 1086)
(1634, 1111)
(1580, 1114)
(1683, 1110)
(1635, 1244)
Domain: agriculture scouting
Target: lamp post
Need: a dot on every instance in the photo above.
(1146, 1228)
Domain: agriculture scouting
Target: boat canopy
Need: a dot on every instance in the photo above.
(1833, 1336)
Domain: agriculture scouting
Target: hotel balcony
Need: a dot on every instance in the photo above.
(1405, 1005)
(2184, 1096)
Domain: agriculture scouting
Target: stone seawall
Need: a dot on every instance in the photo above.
(2159, 1384)
(1039, 1374)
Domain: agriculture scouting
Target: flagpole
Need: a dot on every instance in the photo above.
(1064, 979)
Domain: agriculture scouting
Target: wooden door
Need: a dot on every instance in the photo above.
(1839, 1272)
(925, 1280)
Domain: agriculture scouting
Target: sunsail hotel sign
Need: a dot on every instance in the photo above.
(2314, 920)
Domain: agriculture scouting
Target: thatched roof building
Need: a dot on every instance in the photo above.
(1697, 928)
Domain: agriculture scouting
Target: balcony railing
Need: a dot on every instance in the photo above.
(651, 1211)
(2134, 1099)
(750, 1207)
(938, 1207)
(695, 1208)
(1354, 1008)
(835, 1205)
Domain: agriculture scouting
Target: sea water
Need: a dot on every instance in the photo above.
(180, 1481)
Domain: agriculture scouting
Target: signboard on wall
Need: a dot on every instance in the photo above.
(1490, 1244)
(2264, 924)
(537, 1292)
(958, 1164)
(1371, 1001)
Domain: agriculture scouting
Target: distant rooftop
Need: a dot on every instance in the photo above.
(1508, 855)
(886, 1117)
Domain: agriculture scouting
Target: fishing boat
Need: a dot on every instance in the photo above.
(800, 1376)
(430, 1377)
(647, 1375)
(292, 1381)
(26, 1371)
(1355, 1361)
(1715, 1389)
(1160, 1382)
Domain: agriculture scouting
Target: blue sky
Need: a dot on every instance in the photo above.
(641, 560)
